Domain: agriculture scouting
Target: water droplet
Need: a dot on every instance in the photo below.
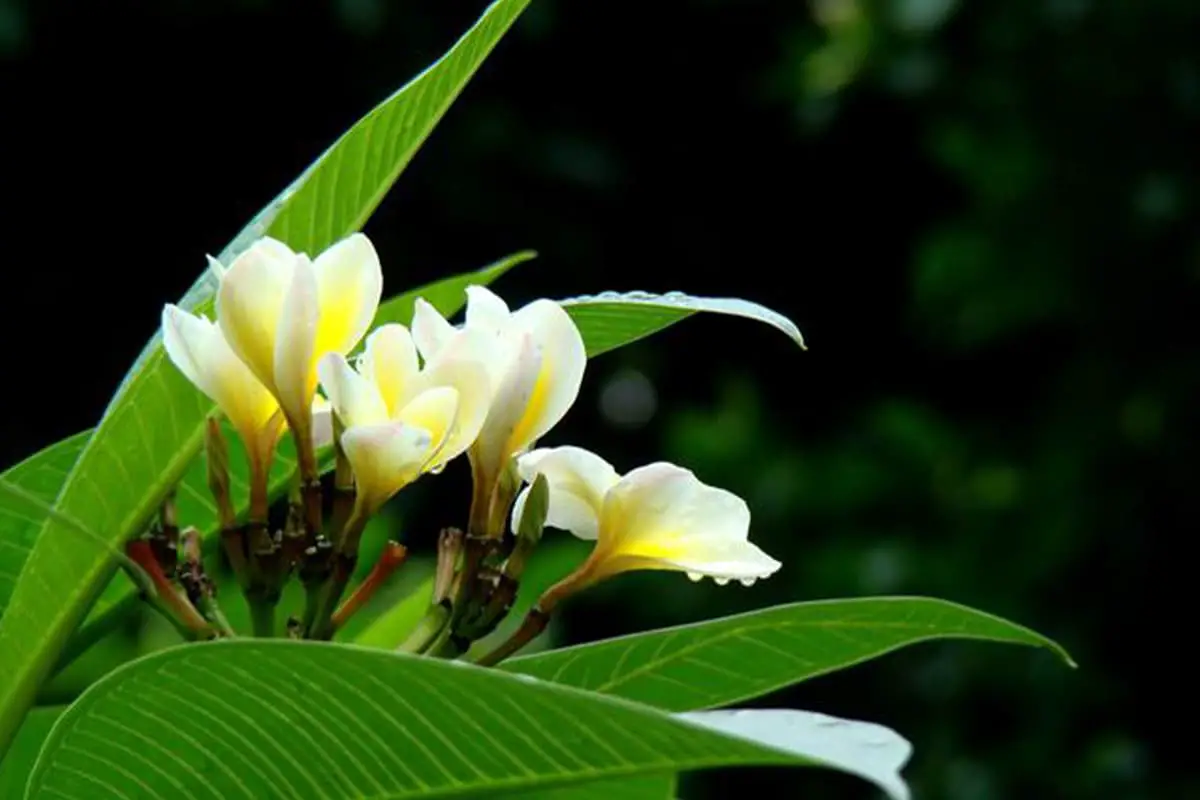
(695, 577)
(721, 581)
(747, 582)
(438, 469)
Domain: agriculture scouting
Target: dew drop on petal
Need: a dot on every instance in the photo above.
(721, 581)
(695, 577)
(747, 582)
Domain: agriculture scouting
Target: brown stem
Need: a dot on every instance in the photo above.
(169, 599)
(534, 623)
(392, 557)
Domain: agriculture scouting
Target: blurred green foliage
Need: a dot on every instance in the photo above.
(983, 217)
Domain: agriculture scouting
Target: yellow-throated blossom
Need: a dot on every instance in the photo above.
(199, 349)
(399, 420)
(281, 312)
(659, 516)
(535, 359)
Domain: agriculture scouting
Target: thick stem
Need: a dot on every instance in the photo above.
(431, 626)
(262, 617)
(345, 560)
(534, 623)
(536, 620)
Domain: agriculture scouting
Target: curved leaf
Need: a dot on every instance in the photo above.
(723, 661)
(610, 319)
(333, 721)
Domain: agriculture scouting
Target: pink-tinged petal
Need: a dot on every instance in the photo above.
(561, 371)
(390, 362)
(384, 459)
(349, 283)
(430, 330)
(322, 415)
(355, 399)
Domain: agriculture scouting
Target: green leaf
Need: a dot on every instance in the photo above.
(154, 425)
(335, 721)
(18, 762)
(42, 475)
(652, 787)
(610, 320)
(726, 660)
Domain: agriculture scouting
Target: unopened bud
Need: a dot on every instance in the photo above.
(529, 526)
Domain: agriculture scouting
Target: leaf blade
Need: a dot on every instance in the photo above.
(611, 319)
(704, 665)
(208, 714)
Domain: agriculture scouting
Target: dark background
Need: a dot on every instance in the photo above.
(983, 217)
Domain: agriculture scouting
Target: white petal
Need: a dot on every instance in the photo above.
(250, 302)
(561, 371)
(470, 381)
(662, 517)
(199, 350)
(430, 330)
(486, 311)
(295, 362)
(322, 412)
(349, 286)
(390, 362)
(578, 481)
(355, 399)
(384, 459)
(494, 446)
(433, 410)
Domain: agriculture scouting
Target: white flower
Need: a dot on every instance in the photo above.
(400, 421)
(281, 312)
(659, 516)
(535, 357)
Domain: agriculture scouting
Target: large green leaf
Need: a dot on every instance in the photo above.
(42, 475)
(716, 663)
(610, 320)
(652, 787)
(18, 762)
(154, 425)
(335, 721)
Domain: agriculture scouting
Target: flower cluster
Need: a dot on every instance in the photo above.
(410, 402)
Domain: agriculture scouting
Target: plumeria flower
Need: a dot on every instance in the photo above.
(659, 516)
(536, 360)
(198, 348)
(401, 421)
(281, 312)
